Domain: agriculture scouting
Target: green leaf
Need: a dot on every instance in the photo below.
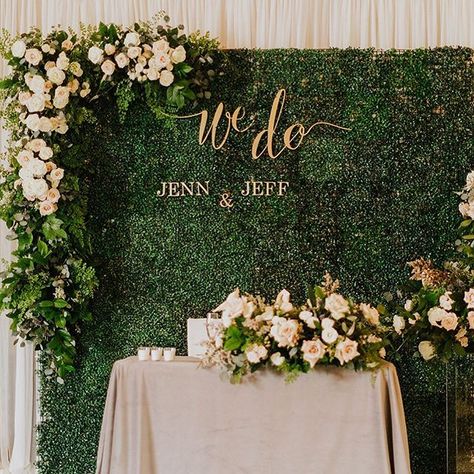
(465, 223)
(43, 248)
(468, 237)
(7, 83)
(60, 303)
(319, 292)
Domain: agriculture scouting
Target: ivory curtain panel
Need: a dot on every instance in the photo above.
(381, 24)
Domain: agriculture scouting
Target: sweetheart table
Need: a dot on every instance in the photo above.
(176, 418)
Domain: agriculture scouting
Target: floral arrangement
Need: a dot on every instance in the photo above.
(328, 330)
(43, 198)
(438, 318)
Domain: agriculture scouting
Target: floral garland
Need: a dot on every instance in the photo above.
(47, 287)
(438, 318)
(328, 330)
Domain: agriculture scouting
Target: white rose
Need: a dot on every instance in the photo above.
(23, 97)
(277, 359)
(61, 97)
(132, 39)
(73, 86)
(282, 301)
(33, 56)
(36, 145)
(313, 351)
(47, 208)
(445, 301)
(46, 48)
(35, 188)
(398, 324)
(133, 52)
(153, 74)
(122, 60)
(36, 167)
(35, 103)
(18, 49)
(329, 335)
(95, 55)
(336, 305)
(469, 298)
(56, 75)
(57, 174)
(139, 68)
(49, 65)
(109, 49)
(409, 305)
(470, 319)
(308, 318)
(108, 67)
(178, 55)
(285, 331)
(24, 157)
(36, 84)
(346, 350)
(45, 125)
(436, 315)
(470, 181)
(50, 166)
(232, 307)
(450, 322)
(160, 61)
(46, 153)
(160, 46)
(327, 323)
(53, 195)
(63, 61)
(370, 313)
(32, 122)
(427, 350)
(76, 69)
(255, 353)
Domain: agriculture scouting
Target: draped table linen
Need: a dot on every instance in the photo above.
(176, 418)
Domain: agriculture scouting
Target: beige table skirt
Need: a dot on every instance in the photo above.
(175, 418)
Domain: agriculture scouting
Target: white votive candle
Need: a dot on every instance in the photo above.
(169, 353)
(156, 353)
(143, 353)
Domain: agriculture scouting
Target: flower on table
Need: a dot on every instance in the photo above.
(313, 351)
(285, 331)
(450, 322)
(346, 350)
(462, 338)
(95, 55)
(469, 298)
(277, 359)
(445, 301)
(329, 334)
(33, 56)
(427, 350)
(337, 305)
(255, 353)
(282, 302)
(18, 49)
(398, 324)
(370, 313)
(470, 319)
(309, 318)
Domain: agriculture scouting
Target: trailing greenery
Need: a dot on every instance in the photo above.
(48, 98)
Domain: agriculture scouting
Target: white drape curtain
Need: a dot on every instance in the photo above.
(381, 24)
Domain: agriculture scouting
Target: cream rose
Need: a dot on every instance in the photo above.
(36, 144)
(53, 195)
(327, 323)
(256, 353)
(329, 335)
(50, 166)
(47, 208)
(445, 301)
(133, 52)
(35, 103)
(46, 153)
(370, 313)
(470, 319)
(131, 39)
(33, 56)
(450, 322)
(33, 122)
(346, 350)
(285, 331)
(73, 86)
(469, 298)
(409, 305)
(178, 55)
(160, 46)
(166, 78)
(23, 97)
(57, 174)
(427, 350)
(67, 45)
(398, 324)
(24, 157)
(153, 74)
(232, 307)
(436, 315)
(61, 97)
(336, 305)
(108, 67)
(95, 55)
(161, 60)
(34, 188)
(56, 75)
(313, 351)
(36, 84)
(308, 318)
(109, 49)
(36, 167)
(45, 125)
(63, 61)
(122, 60)
(277, 359)
(18, 49)
(282, 301)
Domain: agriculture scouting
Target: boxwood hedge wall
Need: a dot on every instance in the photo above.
(360, 204)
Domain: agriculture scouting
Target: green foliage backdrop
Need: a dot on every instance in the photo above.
(360, 204)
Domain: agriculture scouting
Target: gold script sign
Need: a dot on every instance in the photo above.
(264, 140)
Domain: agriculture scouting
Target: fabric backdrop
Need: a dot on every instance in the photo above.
(381, 24)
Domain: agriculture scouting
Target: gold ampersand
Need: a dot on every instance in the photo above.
(226, 200)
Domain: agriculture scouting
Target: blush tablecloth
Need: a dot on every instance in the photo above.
(176, 418)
